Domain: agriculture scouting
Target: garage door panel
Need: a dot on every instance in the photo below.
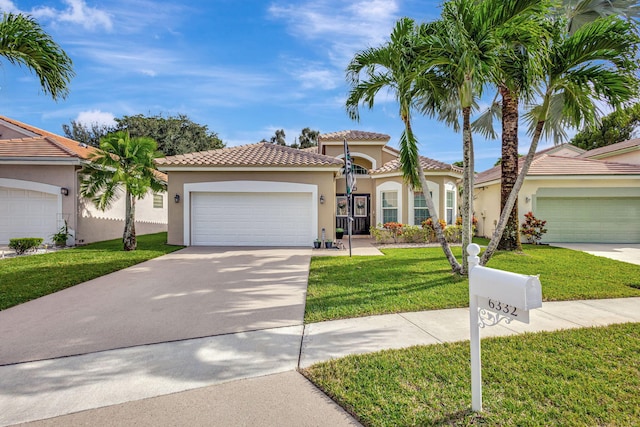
(26, 213)
(596, 220)
(251, 219)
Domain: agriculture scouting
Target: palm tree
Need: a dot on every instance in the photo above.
(466, 48)
(523, 73)
(24, 42)
(395, 67)
(122, 163)
(594, 63)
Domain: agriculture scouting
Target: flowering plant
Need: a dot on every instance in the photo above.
(533, 228)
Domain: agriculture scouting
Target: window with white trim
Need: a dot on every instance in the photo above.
(389, 206)
(450, 206)
(420, 210)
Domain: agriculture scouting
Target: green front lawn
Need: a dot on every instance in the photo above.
(580, 377)
(421, 279)
(29, 277)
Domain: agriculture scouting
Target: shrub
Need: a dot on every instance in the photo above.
(414, 234)
(395, 228)
(533, 228)
(23, 244)
(474, 221)
(453, 234)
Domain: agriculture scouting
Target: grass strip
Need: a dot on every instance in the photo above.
(29, 277)
(420, 279)
(579, 377)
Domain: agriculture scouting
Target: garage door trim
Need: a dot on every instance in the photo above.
(246, 187)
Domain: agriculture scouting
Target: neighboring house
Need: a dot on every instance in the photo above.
(585, 196)
(269, 195)
(39, 190)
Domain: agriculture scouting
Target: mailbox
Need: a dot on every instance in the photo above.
(517, 290)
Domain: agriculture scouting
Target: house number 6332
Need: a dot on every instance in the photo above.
(504, 308)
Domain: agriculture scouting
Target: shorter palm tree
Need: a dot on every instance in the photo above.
(122, 164)
(24, 42)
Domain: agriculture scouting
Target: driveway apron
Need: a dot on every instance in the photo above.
(192, 293)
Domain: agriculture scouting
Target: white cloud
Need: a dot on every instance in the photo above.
(96, 117)
(347, 27)
(76, 12)
(322, 79)
(8, 6)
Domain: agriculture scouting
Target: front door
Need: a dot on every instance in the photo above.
(361, 210)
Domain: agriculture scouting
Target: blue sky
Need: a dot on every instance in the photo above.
(244, 68)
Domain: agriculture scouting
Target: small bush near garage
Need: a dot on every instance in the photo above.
(24, 244)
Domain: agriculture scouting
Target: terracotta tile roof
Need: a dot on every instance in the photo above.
(260, 154)
(310, 149)
(47, 145)
(73, 147)
(612, 148)
(547, 165)
(33, 147)
(353, 135)
(427, 164)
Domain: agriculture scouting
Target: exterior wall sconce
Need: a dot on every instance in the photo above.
(322, 199)
(527, 199)
(64, 191)
(176, 198)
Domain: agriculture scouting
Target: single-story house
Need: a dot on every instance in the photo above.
(39, 190)
(269, 195)
(585, 196)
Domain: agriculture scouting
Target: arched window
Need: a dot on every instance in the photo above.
(358, 170)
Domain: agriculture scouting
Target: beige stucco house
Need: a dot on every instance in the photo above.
(39, 190)
(268, 195)
(585, 196)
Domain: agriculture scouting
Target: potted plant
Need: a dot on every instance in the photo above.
(60, 238)
(317, 243)
(339, 233)
(328, 244)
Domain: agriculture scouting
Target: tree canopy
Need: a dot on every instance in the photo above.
(613, 128)
(173, 134)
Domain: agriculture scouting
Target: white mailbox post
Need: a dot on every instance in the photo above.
(495, 295)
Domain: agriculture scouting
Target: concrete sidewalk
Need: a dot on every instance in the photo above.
(121, 383)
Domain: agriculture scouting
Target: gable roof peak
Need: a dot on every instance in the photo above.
(353, 135)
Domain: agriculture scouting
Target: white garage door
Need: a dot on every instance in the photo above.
(595, 220)
(251, 219)
(27, 213)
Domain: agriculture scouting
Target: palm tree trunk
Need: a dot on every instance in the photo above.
(493, 244)
(510, 239)
(467, 184)
(129, 236)
(455, 265)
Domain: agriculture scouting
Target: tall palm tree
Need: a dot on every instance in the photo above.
(24, 42)
(395, 66)
(594, 63)
(122, 163)
(574, 14)
(466, 47)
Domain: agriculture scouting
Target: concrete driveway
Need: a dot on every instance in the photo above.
(195, 292)
(626, 252)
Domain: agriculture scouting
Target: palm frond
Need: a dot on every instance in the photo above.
(24, 42)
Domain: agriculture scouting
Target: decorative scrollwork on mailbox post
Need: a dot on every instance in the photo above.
(491, 318)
